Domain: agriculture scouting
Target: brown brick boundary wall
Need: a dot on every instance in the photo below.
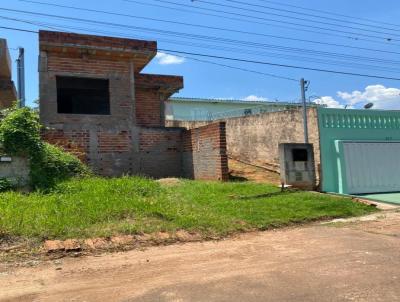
(204, 152)
(160, 152)
(163, 152)
(255, 139)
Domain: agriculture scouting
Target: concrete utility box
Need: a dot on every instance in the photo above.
(297, 165)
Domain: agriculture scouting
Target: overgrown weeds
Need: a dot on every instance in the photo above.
(20, 136)
(102, 207)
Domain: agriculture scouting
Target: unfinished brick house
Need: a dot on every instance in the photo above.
(96, 103)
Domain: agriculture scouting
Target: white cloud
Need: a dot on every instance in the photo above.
(381, 96)
(167, 59)
(255, 98)
(328, 101)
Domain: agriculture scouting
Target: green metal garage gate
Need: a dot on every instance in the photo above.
(360, 150)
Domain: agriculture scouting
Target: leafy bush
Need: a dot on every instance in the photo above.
(52, 165)
(20, 136)
(20, 132)
(5, 185)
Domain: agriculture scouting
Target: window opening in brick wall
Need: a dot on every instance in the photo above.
(83, 96)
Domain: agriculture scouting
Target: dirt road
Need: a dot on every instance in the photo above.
(350, 262)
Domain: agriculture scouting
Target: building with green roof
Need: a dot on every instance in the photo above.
(203, 109)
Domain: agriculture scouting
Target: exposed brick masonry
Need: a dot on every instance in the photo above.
(82, 65)
(160, 140)
(204, 152)
(75, 141)
(255, 139)
(148, 107)
(132, 139)
(98, 41)
(8, 93)
(114, 142)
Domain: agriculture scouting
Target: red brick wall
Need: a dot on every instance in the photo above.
(161, 152)
(132, 139)
(148, 107)
(95, 41)
(8, 94)
(107, 144)
(78, 142)
(77, 45)
(204, 152)
(75, 142)
(160, 140)
(81, 65)
(151, 92)
(114, 142)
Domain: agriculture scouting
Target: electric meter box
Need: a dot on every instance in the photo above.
(297, 165)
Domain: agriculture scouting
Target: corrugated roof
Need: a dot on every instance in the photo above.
(230, 101)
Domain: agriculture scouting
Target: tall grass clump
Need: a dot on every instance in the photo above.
(103, 207)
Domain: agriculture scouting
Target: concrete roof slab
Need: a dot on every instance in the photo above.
(141, 52)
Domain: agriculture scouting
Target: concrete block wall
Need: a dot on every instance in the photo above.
(16, 171)
(204, 152)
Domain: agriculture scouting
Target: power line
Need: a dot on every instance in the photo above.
(284, 65)
(252, 21)
(310, 15)
(209, 38)
(19, 29)
(207, 27)
(353, 65)
(191, 44)
(198, 60)
(273, 20)
(208, 47)
(256, 62)
(58, 27)
(338, 63)
(329, 13)
(294, 18)
(53, 27)
(239, 68)
(217, 64)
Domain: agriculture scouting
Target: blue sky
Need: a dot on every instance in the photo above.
(206, 80)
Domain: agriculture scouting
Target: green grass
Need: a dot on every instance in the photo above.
(102, 207)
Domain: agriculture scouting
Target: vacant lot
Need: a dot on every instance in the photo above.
(103, 207)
